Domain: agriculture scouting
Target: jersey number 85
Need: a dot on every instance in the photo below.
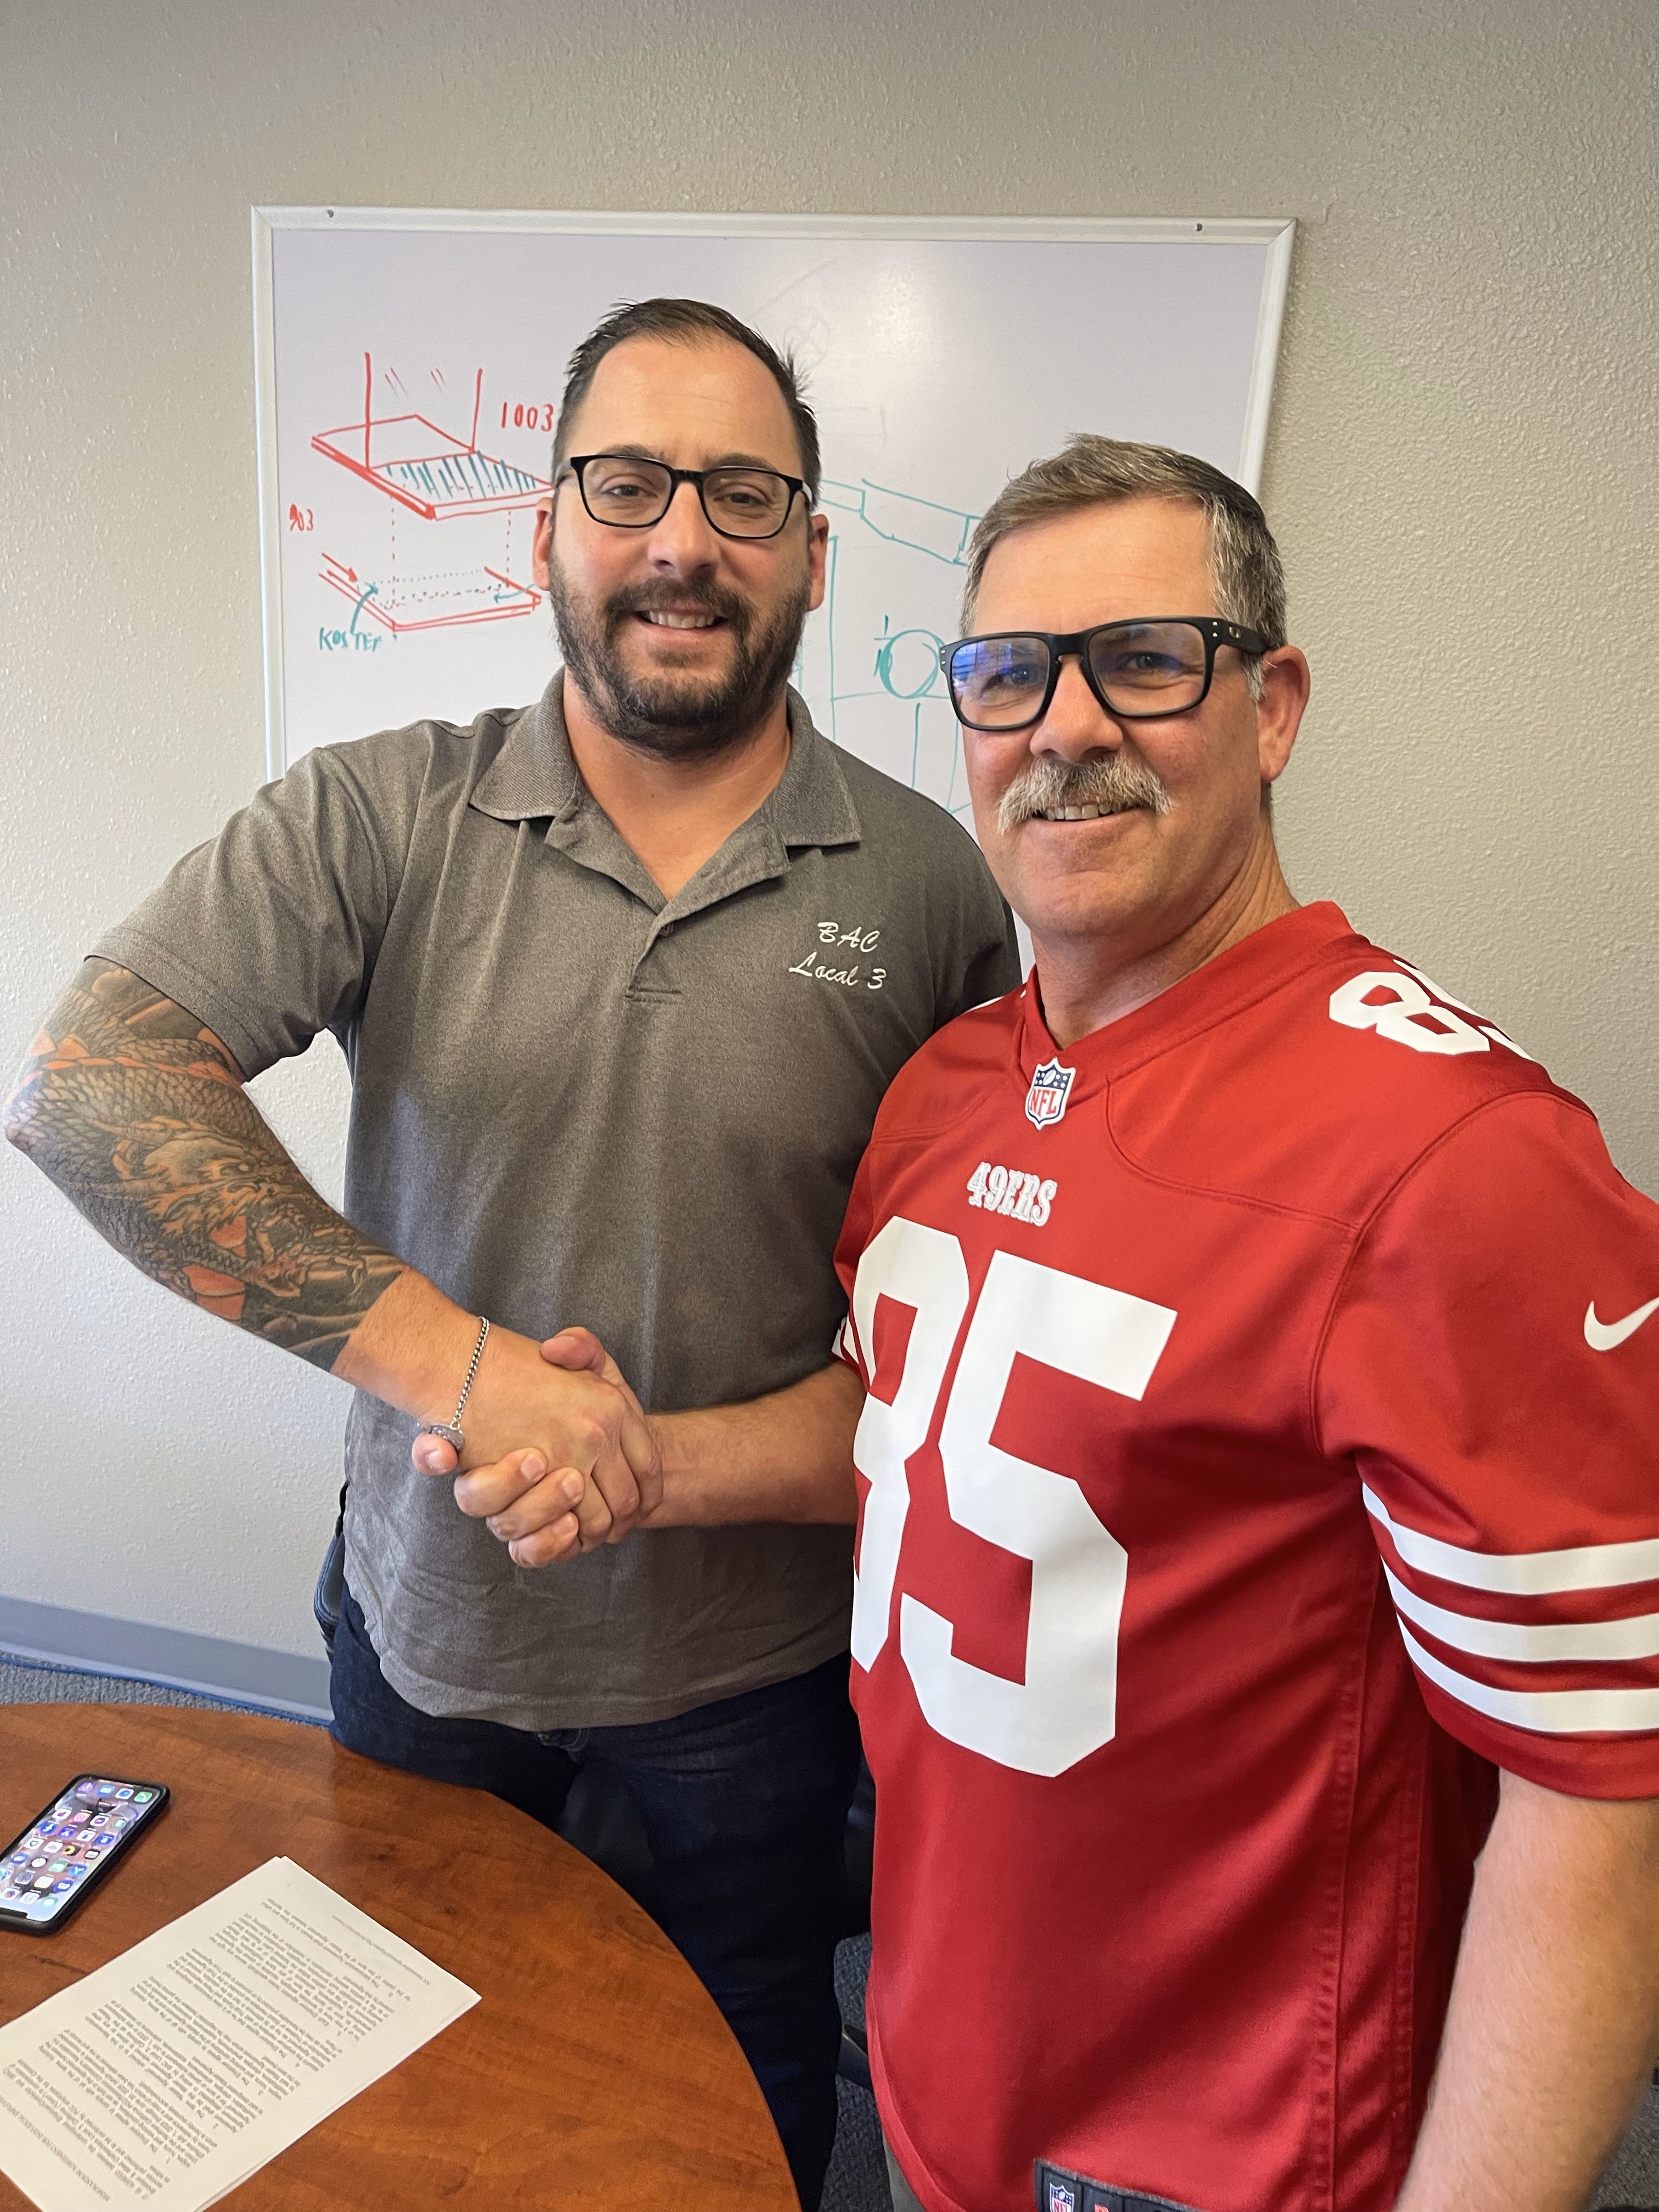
(1066, 1707)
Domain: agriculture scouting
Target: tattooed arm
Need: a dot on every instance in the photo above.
(136, 1111)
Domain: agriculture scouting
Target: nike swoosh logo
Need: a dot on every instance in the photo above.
(1605, 1335)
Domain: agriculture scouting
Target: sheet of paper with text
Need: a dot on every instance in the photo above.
(169, 2075)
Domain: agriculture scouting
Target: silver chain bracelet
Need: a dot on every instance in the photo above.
(450, 1430)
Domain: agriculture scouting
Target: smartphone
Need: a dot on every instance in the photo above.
(70, 1846)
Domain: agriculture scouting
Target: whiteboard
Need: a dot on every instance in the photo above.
(409, 368)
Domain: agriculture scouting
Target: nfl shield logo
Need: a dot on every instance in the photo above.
(1062, 2198)
(1051, 1086)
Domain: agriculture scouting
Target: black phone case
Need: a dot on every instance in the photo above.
(15, 1922)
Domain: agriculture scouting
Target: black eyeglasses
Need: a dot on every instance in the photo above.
(1138, 670)
(630, 493)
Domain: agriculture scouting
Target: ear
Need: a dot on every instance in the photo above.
(817, 545)
(1285, 683)
(542, 544)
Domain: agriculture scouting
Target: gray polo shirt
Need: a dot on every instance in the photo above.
(573, 1100)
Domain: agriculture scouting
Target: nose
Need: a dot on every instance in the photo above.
(683, 543)
(1076, 724)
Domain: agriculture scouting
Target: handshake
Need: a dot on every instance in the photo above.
(559, 1456)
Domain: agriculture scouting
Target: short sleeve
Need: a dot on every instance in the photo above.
(849, 1250)
(1492, 1365)
(269, 931)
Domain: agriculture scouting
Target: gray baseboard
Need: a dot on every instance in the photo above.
(212, 1665)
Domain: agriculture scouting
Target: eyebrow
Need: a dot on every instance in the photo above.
(636, 452)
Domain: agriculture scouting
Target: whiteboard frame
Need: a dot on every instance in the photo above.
(1277, 232)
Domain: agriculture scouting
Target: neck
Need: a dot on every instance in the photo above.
(676, 813)
(1088, 982)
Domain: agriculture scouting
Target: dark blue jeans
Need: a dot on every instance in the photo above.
(744, 1804)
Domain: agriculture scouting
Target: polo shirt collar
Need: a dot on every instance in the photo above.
(534, 777)
(534, 773)
(812, 804)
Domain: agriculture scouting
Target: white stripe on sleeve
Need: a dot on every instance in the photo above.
(1553, 1643)
(1522, 1574)
(1547, 1712)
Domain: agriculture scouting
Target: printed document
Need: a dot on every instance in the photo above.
(171, 2074)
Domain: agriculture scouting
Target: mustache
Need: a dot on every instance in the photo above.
(657, 595)
(1114, 783)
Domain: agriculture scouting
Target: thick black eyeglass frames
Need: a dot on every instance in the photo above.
(628, 492)
(1140, 670)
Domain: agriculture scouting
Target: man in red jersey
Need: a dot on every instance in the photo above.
(1261, 1360)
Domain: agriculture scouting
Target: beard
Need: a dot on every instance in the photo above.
(1112, 783)
(677, 717)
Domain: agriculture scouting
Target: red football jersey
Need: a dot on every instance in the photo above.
(1258, 1451)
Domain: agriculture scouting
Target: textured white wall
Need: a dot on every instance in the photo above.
(1462, 472)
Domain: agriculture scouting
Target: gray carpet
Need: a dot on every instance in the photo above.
(36, 1682)
(858, 2177)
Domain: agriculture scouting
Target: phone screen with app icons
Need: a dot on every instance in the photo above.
(67, 1846)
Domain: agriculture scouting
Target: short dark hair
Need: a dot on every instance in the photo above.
(686, 322)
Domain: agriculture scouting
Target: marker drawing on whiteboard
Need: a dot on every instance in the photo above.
(435, 475)
(888, 553)
(438, 601)
(438, 478)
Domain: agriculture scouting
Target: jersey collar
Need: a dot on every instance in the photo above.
(1261, 963)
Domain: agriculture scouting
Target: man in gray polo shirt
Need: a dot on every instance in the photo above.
(622, 977)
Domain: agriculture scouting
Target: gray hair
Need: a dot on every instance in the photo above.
(1247, 576)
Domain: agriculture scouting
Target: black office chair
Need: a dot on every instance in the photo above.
(861, 1859)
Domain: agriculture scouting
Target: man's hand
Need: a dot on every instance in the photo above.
(785, 1457)
(559, 1456)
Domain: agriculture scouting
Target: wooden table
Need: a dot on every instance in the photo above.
(596, 2070)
